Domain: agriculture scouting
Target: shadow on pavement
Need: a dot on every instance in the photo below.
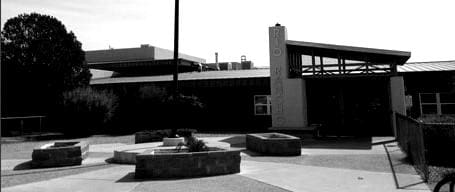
(236, 141)
(252, 153)
(338, 143)
(23, 166)
(128, 178)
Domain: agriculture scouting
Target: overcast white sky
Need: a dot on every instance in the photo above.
(240, 27)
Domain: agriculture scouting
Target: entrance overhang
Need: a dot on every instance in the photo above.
(307, 59)
(294, 63)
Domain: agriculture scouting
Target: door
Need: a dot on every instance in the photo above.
(350, 107)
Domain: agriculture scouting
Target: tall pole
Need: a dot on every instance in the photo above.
(176, 48)
(176, 64)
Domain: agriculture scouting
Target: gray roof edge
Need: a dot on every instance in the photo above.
(421, 62)
(137, 60)
(349, 48)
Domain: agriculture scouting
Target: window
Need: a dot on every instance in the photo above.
(437, 103)
(262, 105)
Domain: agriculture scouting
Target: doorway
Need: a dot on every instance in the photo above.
(350, 106)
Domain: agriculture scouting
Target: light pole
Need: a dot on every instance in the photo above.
(176, 49)
(176, 70)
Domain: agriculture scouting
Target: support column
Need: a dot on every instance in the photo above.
(397, 94)
(289, 105)
(397, 98)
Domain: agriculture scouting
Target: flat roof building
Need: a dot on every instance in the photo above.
(349, 90)
(145, 60)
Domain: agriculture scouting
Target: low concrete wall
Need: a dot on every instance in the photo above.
(61, 154)
(196, 164)
(274, 144)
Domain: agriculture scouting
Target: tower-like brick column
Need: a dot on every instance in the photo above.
(289, 105)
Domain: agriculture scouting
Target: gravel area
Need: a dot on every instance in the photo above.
(437, 174)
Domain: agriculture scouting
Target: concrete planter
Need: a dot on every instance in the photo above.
(60, 154)
(274, 144)
(170, 164)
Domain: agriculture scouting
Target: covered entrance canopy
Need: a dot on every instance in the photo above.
(322, 60)
(346, 87)
(350, 90)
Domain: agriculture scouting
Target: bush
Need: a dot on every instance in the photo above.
(85, 110)
(186, 132)
(437, 119)
(194, 145)
(439, 138)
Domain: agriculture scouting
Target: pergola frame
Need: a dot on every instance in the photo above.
(348, 61)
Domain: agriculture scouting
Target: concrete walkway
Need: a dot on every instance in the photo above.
(286, 176)
(310, 178)
(255, 176)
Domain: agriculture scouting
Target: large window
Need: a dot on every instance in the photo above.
(262, 105)
(437, 103)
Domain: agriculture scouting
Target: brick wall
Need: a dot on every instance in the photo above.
(172, 165)
(60, 156)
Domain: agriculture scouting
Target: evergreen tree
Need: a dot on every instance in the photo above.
(40, 60)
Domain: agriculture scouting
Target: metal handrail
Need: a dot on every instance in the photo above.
(27, 117)
(24, 117)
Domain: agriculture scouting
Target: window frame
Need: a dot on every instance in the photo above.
(268, 104)
(438, 104)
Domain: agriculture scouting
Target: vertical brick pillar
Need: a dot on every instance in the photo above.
(288, 95)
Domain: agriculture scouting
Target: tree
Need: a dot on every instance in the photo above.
(183, 110)
(40, 60)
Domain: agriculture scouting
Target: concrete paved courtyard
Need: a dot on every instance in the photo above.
(322, 167)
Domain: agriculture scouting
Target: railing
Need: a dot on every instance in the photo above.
(411, 140)
(12, 126)
(315, 65)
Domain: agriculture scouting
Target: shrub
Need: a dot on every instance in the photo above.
(85, 110)
(437, 119)
(438, 139)
(186, 132)
(194, 145)
(152, 94)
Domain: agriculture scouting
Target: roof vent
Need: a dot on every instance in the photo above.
(243, 58)
(145, 45)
